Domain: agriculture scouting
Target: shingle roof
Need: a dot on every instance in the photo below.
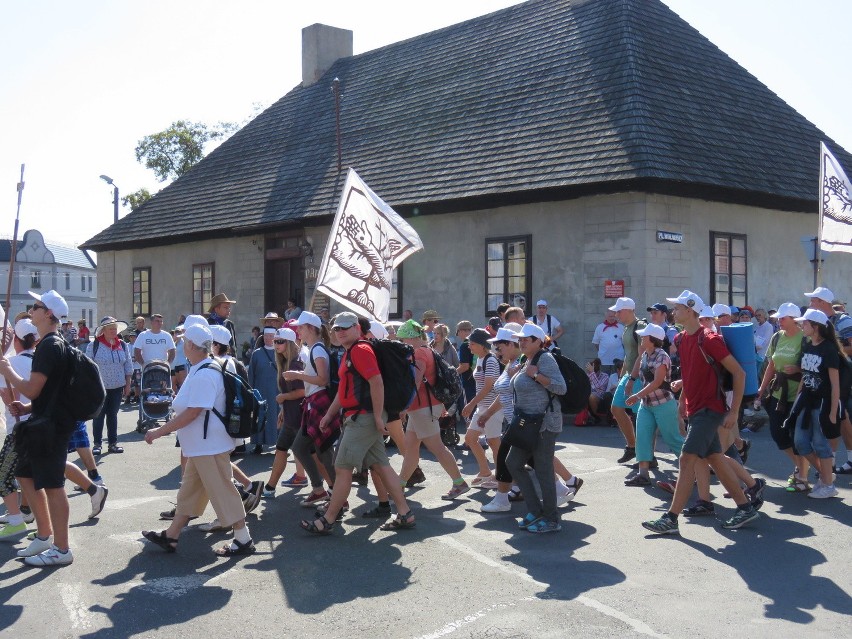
(62, 254)
(548, 99)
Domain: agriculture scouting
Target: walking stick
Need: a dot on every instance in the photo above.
(7, 337)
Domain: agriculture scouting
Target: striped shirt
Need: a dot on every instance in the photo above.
(492, 371)
(648, 369)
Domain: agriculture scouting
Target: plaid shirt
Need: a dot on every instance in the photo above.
(648, 369)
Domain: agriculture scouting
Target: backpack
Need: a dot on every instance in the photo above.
(84, 396)
(333, 366)
(396, 363)
(448, 385)
(724, 379)
(245, 408)
(576, 398)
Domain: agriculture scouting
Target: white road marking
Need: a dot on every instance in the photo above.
(458, 623)
(78, 612)
(639, 626)
(122, 504)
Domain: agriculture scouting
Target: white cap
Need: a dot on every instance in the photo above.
(541, 303)
(24, 327)
(198, 334)
(54, 302)
(505, 334)
(378, 330)
(787, 309)
(688, 299)
(221, 335)
(306, 317)
(813, 315)
(269, 329)
(531, 330)
(819, 292)
(197, 320)
(286, 333)
(652, 330)
(707, 313)
(722, 309)
(513, 326)
(623, 303)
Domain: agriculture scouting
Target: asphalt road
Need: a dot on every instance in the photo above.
(458, 574)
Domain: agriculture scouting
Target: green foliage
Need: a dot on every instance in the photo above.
(172, 152)
(136, 199)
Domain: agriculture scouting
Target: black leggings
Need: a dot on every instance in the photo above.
(501, 472)
(782, 436)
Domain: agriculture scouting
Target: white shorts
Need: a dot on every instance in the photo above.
(493, 427)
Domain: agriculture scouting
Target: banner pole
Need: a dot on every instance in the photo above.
(6, 342)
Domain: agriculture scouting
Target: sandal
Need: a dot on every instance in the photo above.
(798, 486)
(517, 495)
(322, 509)
(311, 526)
(400, 522)
(166, 543)
(115, 448)
(528, 521)
(96, 451)
(377, 513)
(241, 549)
(638, 481)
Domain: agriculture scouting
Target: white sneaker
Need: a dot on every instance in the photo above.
(51, 557)
(497, 505)
(823, 492)
(98, 501)
(36, 547)
(28, 518)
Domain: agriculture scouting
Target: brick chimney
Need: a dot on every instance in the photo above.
(322, 46)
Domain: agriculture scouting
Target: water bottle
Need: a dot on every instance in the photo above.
(236, 409)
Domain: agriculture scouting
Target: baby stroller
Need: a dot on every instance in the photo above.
(155, 403)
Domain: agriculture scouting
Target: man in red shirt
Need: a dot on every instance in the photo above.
(703, 403)
(362, 442)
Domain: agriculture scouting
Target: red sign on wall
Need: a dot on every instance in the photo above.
(613, 288)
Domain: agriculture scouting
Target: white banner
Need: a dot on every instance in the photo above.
(368, 240)
(835, 206)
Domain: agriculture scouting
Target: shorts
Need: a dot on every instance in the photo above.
(702, 438)
(493, 427)
(361, 445)
(47, 471)
(619, 398)
(79, 438)
(423, 422)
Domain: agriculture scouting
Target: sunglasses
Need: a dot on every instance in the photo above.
(340, 329)
(41, 306)
(280, 341)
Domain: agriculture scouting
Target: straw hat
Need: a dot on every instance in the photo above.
(109, 321)
(221, 298)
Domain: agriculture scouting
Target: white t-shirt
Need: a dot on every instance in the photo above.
(23, 366)
(554, 324)
(305, 358)
(203, 388)
(154, 345)
(610, 346)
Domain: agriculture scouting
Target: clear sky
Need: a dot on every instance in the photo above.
(82, 82)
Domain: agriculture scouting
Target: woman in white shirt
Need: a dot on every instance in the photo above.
(206, 444)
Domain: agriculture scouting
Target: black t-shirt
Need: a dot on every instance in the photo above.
(816, 360)
(49, 360)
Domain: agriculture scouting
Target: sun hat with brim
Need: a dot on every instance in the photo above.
(272, 318)
(787, 309)
(813, 315)
(652, 330)
(221, 298)
(286, 333)
(24, 327)
(343, 320)
(409, 330)
(531, 330)
(110, 321)
(430, 315)
(505, 335)
(221, 335)
(54, 302)
(311, 319)
(198, 334)
(378, 330)
(478, 336)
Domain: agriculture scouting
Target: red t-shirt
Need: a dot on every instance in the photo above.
(364, 361)
(425, 362)
(700, 384)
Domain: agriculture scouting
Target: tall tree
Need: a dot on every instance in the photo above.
(136, 199)
(172, 152)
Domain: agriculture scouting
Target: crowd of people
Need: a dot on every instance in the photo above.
(322, 379)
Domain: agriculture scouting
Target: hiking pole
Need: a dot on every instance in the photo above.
(6, 333)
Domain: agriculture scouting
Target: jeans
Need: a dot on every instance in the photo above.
(109, 412)
(811, 439)
(543, 458)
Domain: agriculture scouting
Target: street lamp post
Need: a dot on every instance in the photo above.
(108, 180)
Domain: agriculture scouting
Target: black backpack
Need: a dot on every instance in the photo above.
(83, 398)
(245, 408)
(576, 398)
(448, 385)
(396, 363)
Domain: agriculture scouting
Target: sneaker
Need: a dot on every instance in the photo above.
(823, 492)
(36, 547)
(213, 526)
(638, 480)
(700, 508)
(168, 514)
(755, 493)
(268, 492)
(28, 518)
(362, 477)
(478, 481)
(313, 499)
(741, 517)
(497, 505)
(666, 486)
(295, 482)
(629, 453)
(98, 501)
(256, 491)
(50, 557)
(665, 525)
(13, 533)
(456, 491)
(544, 526)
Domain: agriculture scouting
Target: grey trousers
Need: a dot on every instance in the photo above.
(543, 458)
